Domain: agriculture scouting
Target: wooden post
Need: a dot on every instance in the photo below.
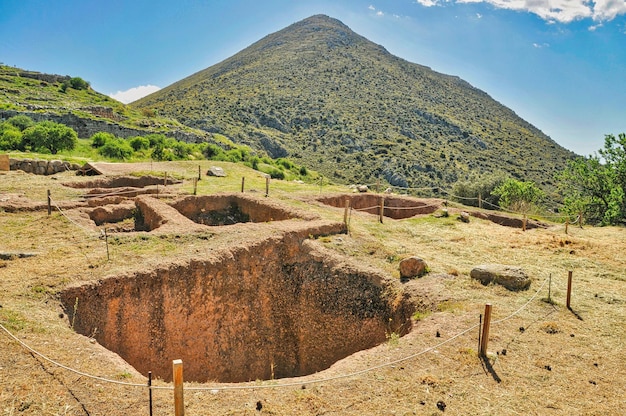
(480, 201)
(345, 213)
(569, 289)
(550, 288)
(106, 240)
(49, 203)
(382, 209)
(243, 183)
(321, 183)
(195, 186)
(524, 223)
(199, 174)
(179, 402)
(267, 186)
(150, 390)
(566, 225)
(378, 185)
(580, 219)
(164, 178)
(484, 341)
(157, 193)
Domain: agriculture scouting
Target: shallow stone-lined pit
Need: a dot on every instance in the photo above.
(394, 206)
(280, 308)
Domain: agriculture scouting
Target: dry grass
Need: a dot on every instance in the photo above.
(543, 360)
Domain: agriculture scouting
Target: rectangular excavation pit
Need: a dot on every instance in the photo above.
(229, 209)
(279, 308)
(394, 206)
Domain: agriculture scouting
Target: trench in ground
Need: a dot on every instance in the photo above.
(393, 206)
(211, 210)
(281, 308)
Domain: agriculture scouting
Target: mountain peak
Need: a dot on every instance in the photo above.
(336, 102)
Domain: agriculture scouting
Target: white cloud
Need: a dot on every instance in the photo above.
(379, 13)
(428, 3)
(134, 94)
(563, 11)
(372, 7)
(541, 45)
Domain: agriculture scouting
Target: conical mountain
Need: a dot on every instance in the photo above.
(327, 97)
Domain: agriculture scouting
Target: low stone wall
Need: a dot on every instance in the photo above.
(42, 167)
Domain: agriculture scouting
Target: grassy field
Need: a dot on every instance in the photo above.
(543, 359)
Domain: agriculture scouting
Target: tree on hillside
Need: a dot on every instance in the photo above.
(21, 121)
(520, 196)
(596, 185)
(50, 136)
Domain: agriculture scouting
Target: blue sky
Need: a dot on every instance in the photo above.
(559, 64)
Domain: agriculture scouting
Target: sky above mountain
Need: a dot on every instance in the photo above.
(559, 64)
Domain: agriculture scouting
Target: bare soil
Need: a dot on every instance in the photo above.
(542, 357)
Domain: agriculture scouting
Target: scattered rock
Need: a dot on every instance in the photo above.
(362, 188)
(412, 267)
(464, 216)
(547, 367)
(511, 277)
(438, 334)
(216, 171)
(259, 405)
(441, 405)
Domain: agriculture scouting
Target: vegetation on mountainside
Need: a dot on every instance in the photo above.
(35, 92)
(596, 185)
(22, 134)
(329, 98)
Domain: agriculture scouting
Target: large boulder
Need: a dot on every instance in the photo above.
(412, 267)
(511, 277)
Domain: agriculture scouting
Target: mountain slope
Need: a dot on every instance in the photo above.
(336, 102)
(51, 97)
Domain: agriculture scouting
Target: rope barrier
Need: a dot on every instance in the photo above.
(85, 230)
(51, 361)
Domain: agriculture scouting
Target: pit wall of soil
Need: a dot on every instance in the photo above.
(282, 307)
(395, 207)
(257, 210)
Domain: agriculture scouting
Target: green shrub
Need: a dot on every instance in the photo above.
(212, 151)
(50, 136)
(99, 139)
(116, 149)
(21, 121)
(10, 137)
(140, 143)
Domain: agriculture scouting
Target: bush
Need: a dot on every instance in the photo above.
(140, 143)
(50, 136)
(21, 121)
(99, 139)
(116, 149)
(10, 137)
(78, 83)
(212, 151)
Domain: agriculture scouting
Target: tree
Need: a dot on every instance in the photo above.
(21, 121)
(50, 136)
(519, 196)
(10, 137)
(596, 185)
